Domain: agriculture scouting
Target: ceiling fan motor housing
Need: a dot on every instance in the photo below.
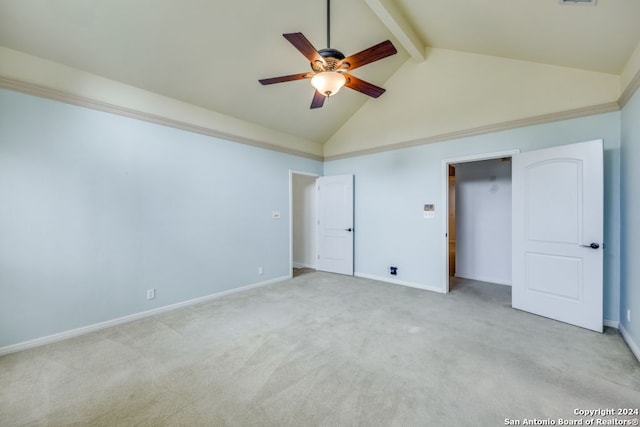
(331, 57)
(331, 53)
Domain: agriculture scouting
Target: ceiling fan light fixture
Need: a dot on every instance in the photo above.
(328, 83)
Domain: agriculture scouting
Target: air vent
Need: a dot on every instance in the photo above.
(584, 2)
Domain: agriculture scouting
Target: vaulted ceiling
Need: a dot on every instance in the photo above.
(211, 53)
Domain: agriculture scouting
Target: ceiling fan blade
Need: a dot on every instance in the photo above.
(304, 46)
(288, 78)
(374, 53)
(318, 100)
(363, 87)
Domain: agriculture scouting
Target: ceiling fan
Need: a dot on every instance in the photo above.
(331, 68)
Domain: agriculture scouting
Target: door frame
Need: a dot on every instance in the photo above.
(291, 174)
(445, 202)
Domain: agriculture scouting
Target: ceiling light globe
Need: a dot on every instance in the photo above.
(328, 82)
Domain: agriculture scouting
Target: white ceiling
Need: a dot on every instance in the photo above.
(211, 53)
(597, 38)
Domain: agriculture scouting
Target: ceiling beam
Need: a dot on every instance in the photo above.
(391, 16)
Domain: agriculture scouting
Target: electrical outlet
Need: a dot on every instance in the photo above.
(151, 293)
(628, 315)
(260, 271)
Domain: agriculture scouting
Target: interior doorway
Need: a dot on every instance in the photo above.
(557, 230)
(477, 221)
(452, 220)
(303, 221)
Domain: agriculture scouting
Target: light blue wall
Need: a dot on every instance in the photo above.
(630, 212)
(96, 208)
(392, 187)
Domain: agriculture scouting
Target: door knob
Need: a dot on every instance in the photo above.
(348, 229)
(593, 245)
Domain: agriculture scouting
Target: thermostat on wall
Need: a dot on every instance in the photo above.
(429, 210)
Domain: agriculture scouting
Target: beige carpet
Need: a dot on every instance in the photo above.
(328, 350)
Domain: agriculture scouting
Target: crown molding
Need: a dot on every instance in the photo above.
(56, 95)
(482, 130)
(630, 90)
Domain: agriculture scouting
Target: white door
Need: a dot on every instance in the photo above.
(558, 233)
(335, 224)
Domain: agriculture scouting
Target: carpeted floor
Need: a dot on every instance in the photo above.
(323, 349)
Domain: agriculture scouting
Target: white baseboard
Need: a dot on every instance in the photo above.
(633, 346)
(49, 339)
(611, 323)
(400, 282)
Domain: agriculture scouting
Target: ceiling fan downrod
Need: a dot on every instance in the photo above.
(328, 24)
(331, 57)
